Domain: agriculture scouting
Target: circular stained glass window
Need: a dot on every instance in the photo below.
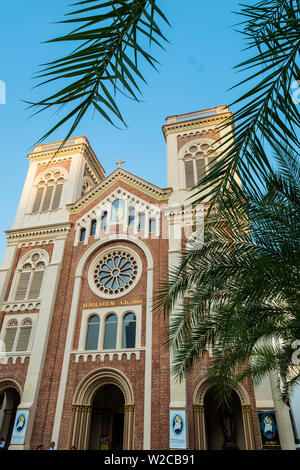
(115, 273)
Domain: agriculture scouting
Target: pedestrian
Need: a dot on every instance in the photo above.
(73, 448)
(2, 443)
(52, 445)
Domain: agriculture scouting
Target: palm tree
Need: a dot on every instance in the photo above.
(108, 43)
(241, 288)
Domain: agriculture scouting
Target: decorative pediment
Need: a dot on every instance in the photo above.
(127, 213)
(119, 175)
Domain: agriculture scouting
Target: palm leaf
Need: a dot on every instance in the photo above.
(110, 41)
(267, 116)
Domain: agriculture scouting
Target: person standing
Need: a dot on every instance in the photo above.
(2, 443)
(52, 445)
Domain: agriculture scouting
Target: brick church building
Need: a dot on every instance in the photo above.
(83, 360)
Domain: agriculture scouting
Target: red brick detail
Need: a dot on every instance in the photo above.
(133, 369)
(211, 134)
(64, 164)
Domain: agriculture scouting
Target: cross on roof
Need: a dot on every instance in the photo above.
(120, 162)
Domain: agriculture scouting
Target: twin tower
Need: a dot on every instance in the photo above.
(83, 360)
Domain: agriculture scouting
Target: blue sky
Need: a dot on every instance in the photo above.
(195, 73)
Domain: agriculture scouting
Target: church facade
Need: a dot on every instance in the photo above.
(83, 360)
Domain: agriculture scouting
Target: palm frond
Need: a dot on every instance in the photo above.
(241, 288)
(267, 116)
(110, 38)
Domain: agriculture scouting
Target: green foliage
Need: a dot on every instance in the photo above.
(267, 115)
(110, 39)
(241, 288)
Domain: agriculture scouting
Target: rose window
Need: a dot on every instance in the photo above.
(116, 273)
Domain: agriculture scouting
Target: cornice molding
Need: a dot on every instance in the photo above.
(119, 175)
(181, 126)
(185, 211)
(46, 153)
(45, 232)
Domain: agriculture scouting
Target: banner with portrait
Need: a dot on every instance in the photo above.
(269, 430)
(20, 425)
(177, 429)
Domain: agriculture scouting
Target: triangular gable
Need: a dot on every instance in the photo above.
(119, 175)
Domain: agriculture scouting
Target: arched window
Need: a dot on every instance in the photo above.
(104, 221)
(30, 278)
(118, 209)
(24, 335)
(141, 221)
(93, 228)
(92, 336)
(152, 226)
(49, 191)
(110, 335)
(10, 335)
(189, 173)
(17, 337)
(197, 158)
(82, 235)
(131, 216)
(129, 331)
(87, 186)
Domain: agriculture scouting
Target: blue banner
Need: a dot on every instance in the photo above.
(177, 429)
(18, 435)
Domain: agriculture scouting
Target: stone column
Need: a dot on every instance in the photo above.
(38, 353)
(199, 427)
(65, 366)
(5, 270)
(283, 418)
(128, 438)
(248, 427)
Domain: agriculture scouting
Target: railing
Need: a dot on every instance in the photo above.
(50, 147)
(197, 114)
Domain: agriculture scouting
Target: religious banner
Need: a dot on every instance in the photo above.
(18, 435)
(177, 429)
(268, 430)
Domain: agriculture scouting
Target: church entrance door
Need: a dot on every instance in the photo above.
(107, 419)
(9, 402)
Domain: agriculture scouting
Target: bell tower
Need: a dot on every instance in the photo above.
(57, 176)
(191, 145)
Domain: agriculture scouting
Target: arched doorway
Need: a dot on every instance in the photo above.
(107, 419)
(224, 429)
(103, 412)
(9, 402)
(210, 428)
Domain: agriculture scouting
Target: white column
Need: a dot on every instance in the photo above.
(26, 196)
(172, 162)
(263, 394)
(285, 429)
(148, 363)
(38, 353)
(5, 270)
(73, 187)
(65, 366)
(177, 389)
